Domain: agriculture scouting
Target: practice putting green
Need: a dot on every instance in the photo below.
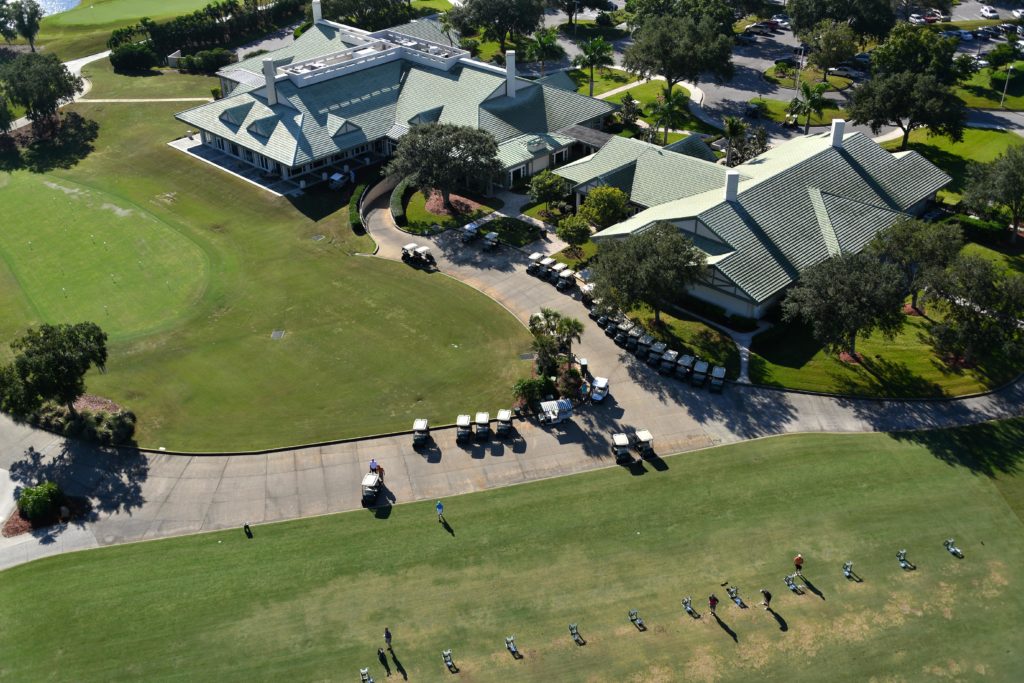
(309, 600)
(82, 254)
(369, 345)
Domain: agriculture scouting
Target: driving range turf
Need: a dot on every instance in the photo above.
(309, 599)
(190, 271)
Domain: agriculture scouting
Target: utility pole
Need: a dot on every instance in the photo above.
(1009, 75)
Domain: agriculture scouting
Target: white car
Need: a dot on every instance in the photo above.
(989, 12)
(1018, 13)
(916, 19)
(599, 389)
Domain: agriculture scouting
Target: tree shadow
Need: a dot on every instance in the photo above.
(111, 478)
(319, 202)
(72, 142)
(745, 411)
(989, 449)
(880, 377)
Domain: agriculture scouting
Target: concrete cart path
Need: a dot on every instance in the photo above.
(140, 496)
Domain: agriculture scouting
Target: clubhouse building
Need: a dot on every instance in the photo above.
(339, 98)
(765, 220)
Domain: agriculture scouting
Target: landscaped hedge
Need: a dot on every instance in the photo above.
(980, 230)
(106, 429)
(398, 200)
(354, 217)
(40, 502)
(133, 58)
(206, 61)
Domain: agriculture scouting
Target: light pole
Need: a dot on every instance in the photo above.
(799, 68)
(575, 17)
(1009, 75)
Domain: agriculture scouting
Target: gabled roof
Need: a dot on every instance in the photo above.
(538, 108)
(319, 39)
(559, 79)
(798, 204)
(428, 28)
(517, 150)
(693, 146)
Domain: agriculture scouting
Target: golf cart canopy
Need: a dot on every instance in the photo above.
(462, 421)
(659, 349)
(419, 425)
(600, 383)
(504, 415)
(491, 237)
(718, 372)
(536, 256)
(370, 480)
(670, 357)
(645, 437)
(559, 267)
(547, 261)
(482, 419)
(701, 367)
(626, 325)
(423, 251)
(686, 361)
(646, 340)
(567, 274)
(620, 440)
(411, 247)
(587, 289)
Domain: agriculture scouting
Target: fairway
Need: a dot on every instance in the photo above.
(368, 346)
(81, 254)
(309, 600)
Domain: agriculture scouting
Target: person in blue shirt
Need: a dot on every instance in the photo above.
(440, 511)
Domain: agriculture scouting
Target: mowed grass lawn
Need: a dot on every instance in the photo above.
(84, 30)
(977, 91)
(309, 600)
(369, 344)
(647, 95)
(776, 110)
(157, 83)
(906, 366)
(604, 81)
(954, 158)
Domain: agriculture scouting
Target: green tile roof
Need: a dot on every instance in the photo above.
(799, 203)
(618, 152)
(559, 79)
(319, 39)
(427, 28)
(516, 151)
(693, 146)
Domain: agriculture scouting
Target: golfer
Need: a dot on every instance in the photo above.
(712, 604)
(798, 562)
(440, 511)
(767, 602)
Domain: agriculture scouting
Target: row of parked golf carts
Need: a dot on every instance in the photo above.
(657, 355)
(415, 255)
(480, 426)
(546, 268)
(478, 229)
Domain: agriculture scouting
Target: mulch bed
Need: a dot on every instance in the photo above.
(910, 310)
(463, 205)
(852, 360)
(16, 525)
(95, 404)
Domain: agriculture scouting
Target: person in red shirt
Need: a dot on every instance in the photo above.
(712, 604)
(798, 562)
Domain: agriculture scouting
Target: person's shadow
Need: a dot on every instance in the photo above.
(398, 666)
(725, 627)
(814, 589)
(384, 662)
(447, 526)
(783, 626)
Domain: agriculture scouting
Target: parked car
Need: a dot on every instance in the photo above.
(916, 19)
(599, 389)
(1018, 13)
(746, 39)
(939, 14)
(950, 34)
(989, 12)
(863, 58)
(758, 29)
(982, 35)
(846, 72)
(1007, 28)
(782, 21)
(966, 35)
(980, 62)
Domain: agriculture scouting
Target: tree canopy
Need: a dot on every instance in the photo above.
(441, 156)
(908, 101)
(574, 231)
(832, 43)
(26, 15)
(680, 49)
(810, 100)
(543, 47)
(846, 296)
(502, 18)
(39, 83)
(999, 184)
(50, 363)
(655, 267)
(867, 18)
(604, 206)
(911, 50)
(917, 248)
(596, 53)
(547, 187)
(654, 11)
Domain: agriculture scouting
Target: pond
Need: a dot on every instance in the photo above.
(55, 6)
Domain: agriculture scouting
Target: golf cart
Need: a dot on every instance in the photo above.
(469, 232)
(633, 339)
(424, 256)
(534, 264)
(409, 252)
(587, 295)
(700, 373)
(644, 443)
(668, 362)
(620, 447)
(554, 412)
(371, 487)
(491, 241)
(685, 366)
(599, 389)
(584, 368)
(462, 429)
(483, 425)
(544, 267)
(555, 272)
(657, 351)
(611, 328)
(717, 378)
(643, 346)
(504, 425)
(624, 328)
(566, 280)
(420, 432)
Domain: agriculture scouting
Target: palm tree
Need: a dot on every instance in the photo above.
(735, 132)
(810, 100)
(596, 53)
(543, 47)
(668, 111)
(568, 330)
(447, 27)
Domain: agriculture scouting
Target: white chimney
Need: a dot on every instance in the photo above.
(732, 185)
(318, 13)
(510, 73)
(270, 74)
(838, 130)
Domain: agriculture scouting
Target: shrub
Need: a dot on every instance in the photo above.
(470, 45)
(206, 61)
(40, 502)
(106, 429)
(604, 20)
(257, 53)
(302, 28)
(354, 219)
(398, 200)
(215, 92)
(133, 57)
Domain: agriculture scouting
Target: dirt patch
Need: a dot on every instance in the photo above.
(95, 404)
(910, 310)
(845, 357)
(76, 509)
(463, 205)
